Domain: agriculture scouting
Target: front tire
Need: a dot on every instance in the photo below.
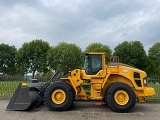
(59, 96)
(120, 97)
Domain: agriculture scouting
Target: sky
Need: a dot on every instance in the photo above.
(81, 22)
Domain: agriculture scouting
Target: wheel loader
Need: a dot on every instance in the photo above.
(119, 85)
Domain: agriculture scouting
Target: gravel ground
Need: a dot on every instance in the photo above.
(83, 110)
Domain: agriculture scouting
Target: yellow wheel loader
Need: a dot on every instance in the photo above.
(118, 85)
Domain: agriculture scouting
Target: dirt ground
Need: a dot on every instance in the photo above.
(83, 110)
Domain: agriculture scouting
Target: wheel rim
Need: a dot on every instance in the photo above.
(121, 97)
(58, 96)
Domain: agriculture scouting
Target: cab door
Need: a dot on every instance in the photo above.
(94, 64)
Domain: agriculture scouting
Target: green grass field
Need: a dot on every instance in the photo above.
(7, 88)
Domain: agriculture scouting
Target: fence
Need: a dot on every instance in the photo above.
(9, 84)
(155, 83)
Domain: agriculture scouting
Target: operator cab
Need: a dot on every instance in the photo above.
(93, 63)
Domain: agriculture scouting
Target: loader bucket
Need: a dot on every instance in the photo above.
(30, 95)
(24, 98)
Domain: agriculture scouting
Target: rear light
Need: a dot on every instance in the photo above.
(145, 82)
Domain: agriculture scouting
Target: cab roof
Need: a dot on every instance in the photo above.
(95, 53)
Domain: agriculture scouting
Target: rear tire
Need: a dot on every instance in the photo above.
(120, 97)
(59, 96)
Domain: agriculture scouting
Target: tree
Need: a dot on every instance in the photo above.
(98, 47)
(65, 56)
(7, 59)
(132, 53)
(31, 57)
(154, 58)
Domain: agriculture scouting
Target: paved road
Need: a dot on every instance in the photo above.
(83, 111)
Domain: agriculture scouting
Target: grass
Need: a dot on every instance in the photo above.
(7, 88)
